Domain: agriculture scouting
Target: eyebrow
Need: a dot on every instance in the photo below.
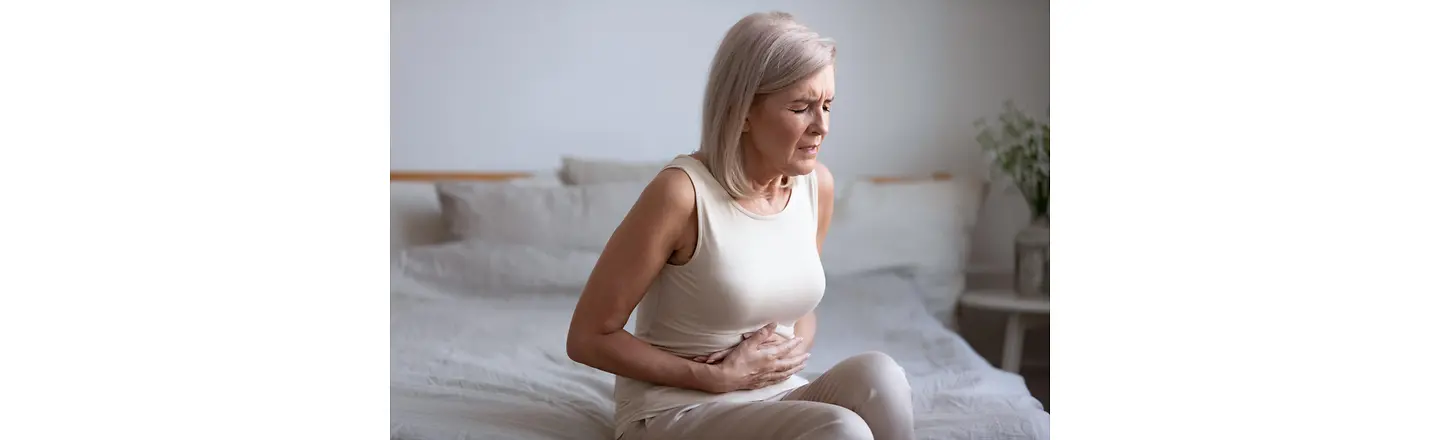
(810, 98)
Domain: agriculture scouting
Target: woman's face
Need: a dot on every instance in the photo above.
(784, 129)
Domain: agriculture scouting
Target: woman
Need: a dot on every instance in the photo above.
(721, 253)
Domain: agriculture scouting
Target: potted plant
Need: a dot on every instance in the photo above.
(1020, 148)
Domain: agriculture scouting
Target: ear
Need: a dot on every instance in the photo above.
(750, 110)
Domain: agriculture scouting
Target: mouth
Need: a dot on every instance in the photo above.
(810, 150)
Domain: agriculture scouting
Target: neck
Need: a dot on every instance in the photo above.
(765, 180)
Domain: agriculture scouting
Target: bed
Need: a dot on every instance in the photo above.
(478, 323)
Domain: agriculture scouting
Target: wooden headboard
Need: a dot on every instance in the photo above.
(500, 176)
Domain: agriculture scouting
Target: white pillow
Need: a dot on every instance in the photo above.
(415, 210)
(490, 269)
(578, 171)
(414, 215)
(581, 217)
(923, 227)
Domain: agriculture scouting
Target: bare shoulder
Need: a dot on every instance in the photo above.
(669, 194)
(665, 204)
(827, 180)
(826, 194)
(826, 183)
(648, 234)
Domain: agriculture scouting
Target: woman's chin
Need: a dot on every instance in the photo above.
(801, 167)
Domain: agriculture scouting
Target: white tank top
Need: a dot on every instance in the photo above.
(748, 270)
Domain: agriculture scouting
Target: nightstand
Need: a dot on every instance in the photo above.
(1022, 313)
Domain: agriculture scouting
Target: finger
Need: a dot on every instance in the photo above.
(780, 350)
(785, 347)
(784, 374)
(775, 338)
(718, 356)
(764, 332)
(768, 379)
(758, 338)
(747, 335)
(789, 362)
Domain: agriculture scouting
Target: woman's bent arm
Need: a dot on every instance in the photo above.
(633, 257)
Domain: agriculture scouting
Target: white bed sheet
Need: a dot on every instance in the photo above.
(496, 368)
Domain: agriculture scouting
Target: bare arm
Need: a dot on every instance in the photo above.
(805, 326)
(631, 260)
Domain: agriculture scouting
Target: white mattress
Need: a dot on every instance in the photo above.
(495, 367)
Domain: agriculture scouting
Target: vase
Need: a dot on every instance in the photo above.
(1032, 259)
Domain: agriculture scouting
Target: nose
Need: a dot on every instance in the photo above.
(820, 125)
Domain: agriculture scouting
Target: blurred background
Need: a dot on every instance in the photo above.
(515, 85)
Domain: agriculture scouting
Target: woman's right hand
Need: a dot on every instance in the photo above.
(754, 364)
(775, 338)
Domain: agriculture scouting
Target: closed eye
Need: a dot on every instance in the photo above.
(826, 108)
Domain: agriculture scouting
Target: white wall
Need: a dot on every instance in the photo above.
(512, 85)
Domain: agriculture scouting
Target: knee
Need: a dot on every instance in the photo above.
(836, 422)
(876, 369)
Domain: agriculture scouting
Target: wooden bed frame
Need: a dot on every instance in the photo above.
(501, 176)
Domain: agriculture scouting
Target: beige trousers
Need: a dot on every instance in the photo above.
(863, 397)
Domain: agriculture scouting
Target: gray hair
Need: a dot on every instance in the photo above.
(762, 53)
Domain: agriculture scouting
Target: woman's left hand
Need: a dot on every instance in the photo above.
(718, 356)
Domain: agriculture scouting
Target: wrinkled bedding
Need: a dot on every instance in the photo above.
(494, 366)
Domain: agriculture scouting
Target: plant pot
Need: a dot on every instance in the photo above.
(1032, 259)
